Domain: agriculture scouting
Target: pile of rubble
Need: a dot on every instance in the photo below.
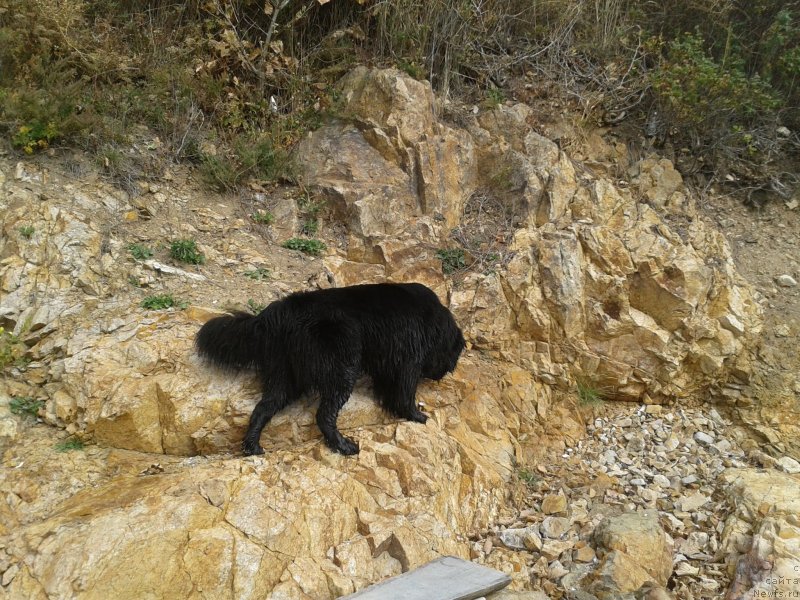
(645, 503)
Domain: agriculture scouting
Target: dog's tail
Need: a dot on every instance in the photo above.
(234, 341)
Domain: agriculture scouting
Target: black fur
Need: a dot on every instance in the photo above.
(322, 341)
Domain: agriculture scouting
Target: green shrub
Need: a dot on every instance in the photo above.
(259, 274)
(255, 307)
(528, 477)
(34, 137)
(311, 247)
(700, 93)
(310, 227)
(453, 259)
(251, 157)
(69, 445)
(162, 301)
(140, 251)
(589, 394)
(263, 217)
(25, 405)
(12, 350)
(27, 231)
(186, 251)
(495, 97)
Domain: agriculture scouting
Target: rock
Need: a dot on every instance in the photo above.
(786, 281)
(788, 464)
(692, 502)
(660, 480)
(634, 540)
(554, 527)
(618, 573)
(764, 527)
(9, 575)
(585, 554)
(519, 539)
(703, 438)
(554, 504)
(783, 331)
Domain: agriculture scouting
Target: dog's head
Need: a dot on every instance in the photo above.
(444, 357)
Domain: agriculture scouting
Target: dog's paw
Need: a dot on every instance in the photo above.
(418, 416)
(251, 448)
(345, 446)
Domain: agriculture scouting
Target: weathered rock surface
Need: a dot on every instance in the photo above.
(637, 551)
(761, 538)
(639, 297)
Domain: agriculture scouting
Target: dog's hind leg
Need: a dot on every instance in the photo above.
(271, 402)
(330, 403)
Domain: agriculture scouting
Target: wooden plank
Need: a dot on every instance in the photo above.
(446, 578)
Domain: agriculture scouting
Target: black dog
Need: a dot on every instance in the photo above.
(324, 340)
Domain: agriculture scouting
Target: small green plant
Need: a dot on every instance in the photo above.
(527, 477)
(25, 405)
(412, 68)
(162, 301)
(26, 231)
(263, 217)
(310, 247)
(140, 251)
(495, 97)
(259, 274)
(453, 259)
(255, 307)
(310, 208)
(12, 350)
(68, 445)
(186, 251)
(310, 227)
(34, 137)
(589, 395)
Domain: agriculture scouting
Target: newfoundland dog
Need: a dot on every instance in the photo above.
(322, 341)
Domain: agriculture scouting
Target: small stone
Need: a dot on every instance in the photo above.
(556, 570)
(638, 482)
(554, 527)
(554, 504)
(584, 555)
(786, 281)
(788, 464)
(9, 575)
(783, 331)
(554, 548)
(653, 409)
(693, 502)
(648, 495)
(689, 479)
(703, 438)
(487, 546)
(723, 446)
(521, 539)
(661, 481)
(684, 568)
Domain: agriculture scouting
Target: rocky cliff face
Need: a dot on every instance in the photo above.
(618, 283)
